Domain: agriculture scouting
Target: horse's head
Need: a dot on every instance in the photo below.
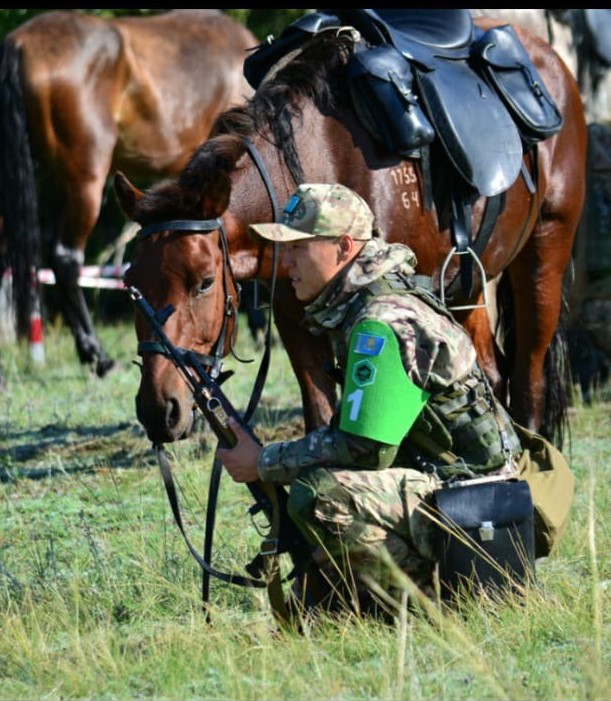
(180, 260)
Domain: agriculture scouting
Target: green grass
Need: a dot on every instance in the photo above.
(100, 599)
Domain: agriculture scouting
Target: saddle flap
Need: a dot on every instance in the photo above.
(477, 133)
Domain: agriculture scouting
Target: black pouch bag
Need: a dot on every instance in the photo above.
(485, 539)
(503, 61)
(380, 81)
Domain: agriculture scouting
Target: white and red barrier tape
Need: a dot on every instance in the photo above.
(109, 277)
(105, 276)
(98, 276)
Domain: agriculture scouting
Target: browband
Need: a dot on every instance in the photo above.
(203, 225)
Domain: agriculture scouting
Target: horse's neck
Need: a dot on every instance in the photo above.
(258, 191)
(255, 195)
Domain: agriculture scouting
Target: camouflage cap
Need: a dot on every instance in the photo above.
(320, 210)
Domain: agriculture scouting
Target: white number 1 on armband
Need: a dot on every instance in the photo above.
(355, 399)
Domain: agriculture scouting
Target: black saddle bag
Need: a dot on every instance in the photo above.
(380, 82)
(503, 61)
(485, 539)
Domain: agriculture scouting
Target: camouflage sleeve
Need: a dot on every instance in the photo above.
(329, 446)
(436, 350)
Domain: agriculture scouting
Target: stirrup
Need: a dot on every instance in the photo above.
(478, 262)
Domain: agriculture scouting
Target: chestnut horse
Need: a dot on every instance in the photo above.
(300, 127)
(81, 96)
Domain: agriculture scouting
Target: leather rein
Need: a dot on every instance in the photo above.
(213, 363)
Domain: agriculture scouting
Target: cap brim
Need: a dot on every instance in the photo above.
(279, 232)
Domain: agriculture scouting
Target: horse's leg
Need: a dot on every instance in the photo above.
(310, 357)
(537, 276)
(479, 323)
(255, 315)
(82, 202)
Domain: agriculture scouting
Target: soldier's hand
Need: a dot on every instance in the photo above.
(241, 460)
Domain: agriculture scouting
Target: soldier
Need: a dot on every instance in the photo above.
(415, 408)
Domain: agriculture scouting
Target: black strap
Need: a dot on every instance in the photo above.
(493, 208)
(269, 560)
(271, 557)
(257, 390)
(460, 228)
(427, 177)
(168, 481)
(265, 360)
(213, 490)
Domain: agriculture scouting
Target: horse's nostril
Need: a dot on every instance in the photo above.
(172, 413)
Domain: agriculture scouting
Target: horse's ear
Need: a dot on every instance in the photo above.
(216, 197)
(127, 194)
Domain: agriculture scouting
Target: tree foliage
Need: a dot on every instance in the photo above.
(261, 22)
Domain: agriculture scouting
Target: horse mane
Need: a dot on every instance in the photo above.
(314, 74)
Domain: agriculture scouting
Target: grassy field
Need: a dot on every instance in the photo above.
(100, 599)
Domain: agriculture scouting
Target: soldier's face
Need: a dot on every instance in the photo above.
(311, 264)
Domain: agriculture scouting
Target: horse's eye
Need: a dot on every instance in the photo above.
(205, 286)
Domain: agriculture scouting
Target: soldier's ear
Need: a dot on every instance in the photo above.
(345, 243)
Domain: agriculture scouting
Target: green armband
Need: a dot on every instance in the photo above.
(379, 400)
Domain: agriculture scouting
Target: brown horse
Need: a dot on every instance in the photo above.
(82, 96)
(300, 126)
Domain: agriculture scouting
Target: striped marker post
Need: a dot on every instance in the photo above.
(36, 337)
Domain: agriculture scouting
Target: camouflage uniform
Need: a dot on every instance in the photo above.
(355, 495)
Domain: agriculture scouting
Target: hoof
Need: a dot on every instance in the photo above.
(103, 367)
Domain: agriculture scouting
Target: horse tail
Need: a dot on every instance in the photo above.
(556, 366)
(18, 187)
(558, 383)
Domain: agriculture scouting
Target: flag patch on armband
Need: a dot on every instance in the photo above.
(368, 344)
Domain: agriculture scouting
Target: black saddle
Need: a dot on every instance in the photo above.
(420, 75)
(442, 31)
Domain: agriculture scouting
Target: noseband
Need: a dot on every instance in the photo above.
(206, 226)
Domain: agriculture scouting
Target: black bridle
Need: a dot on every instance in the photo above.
(214, 362)
(231, 305)
(207, 226)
